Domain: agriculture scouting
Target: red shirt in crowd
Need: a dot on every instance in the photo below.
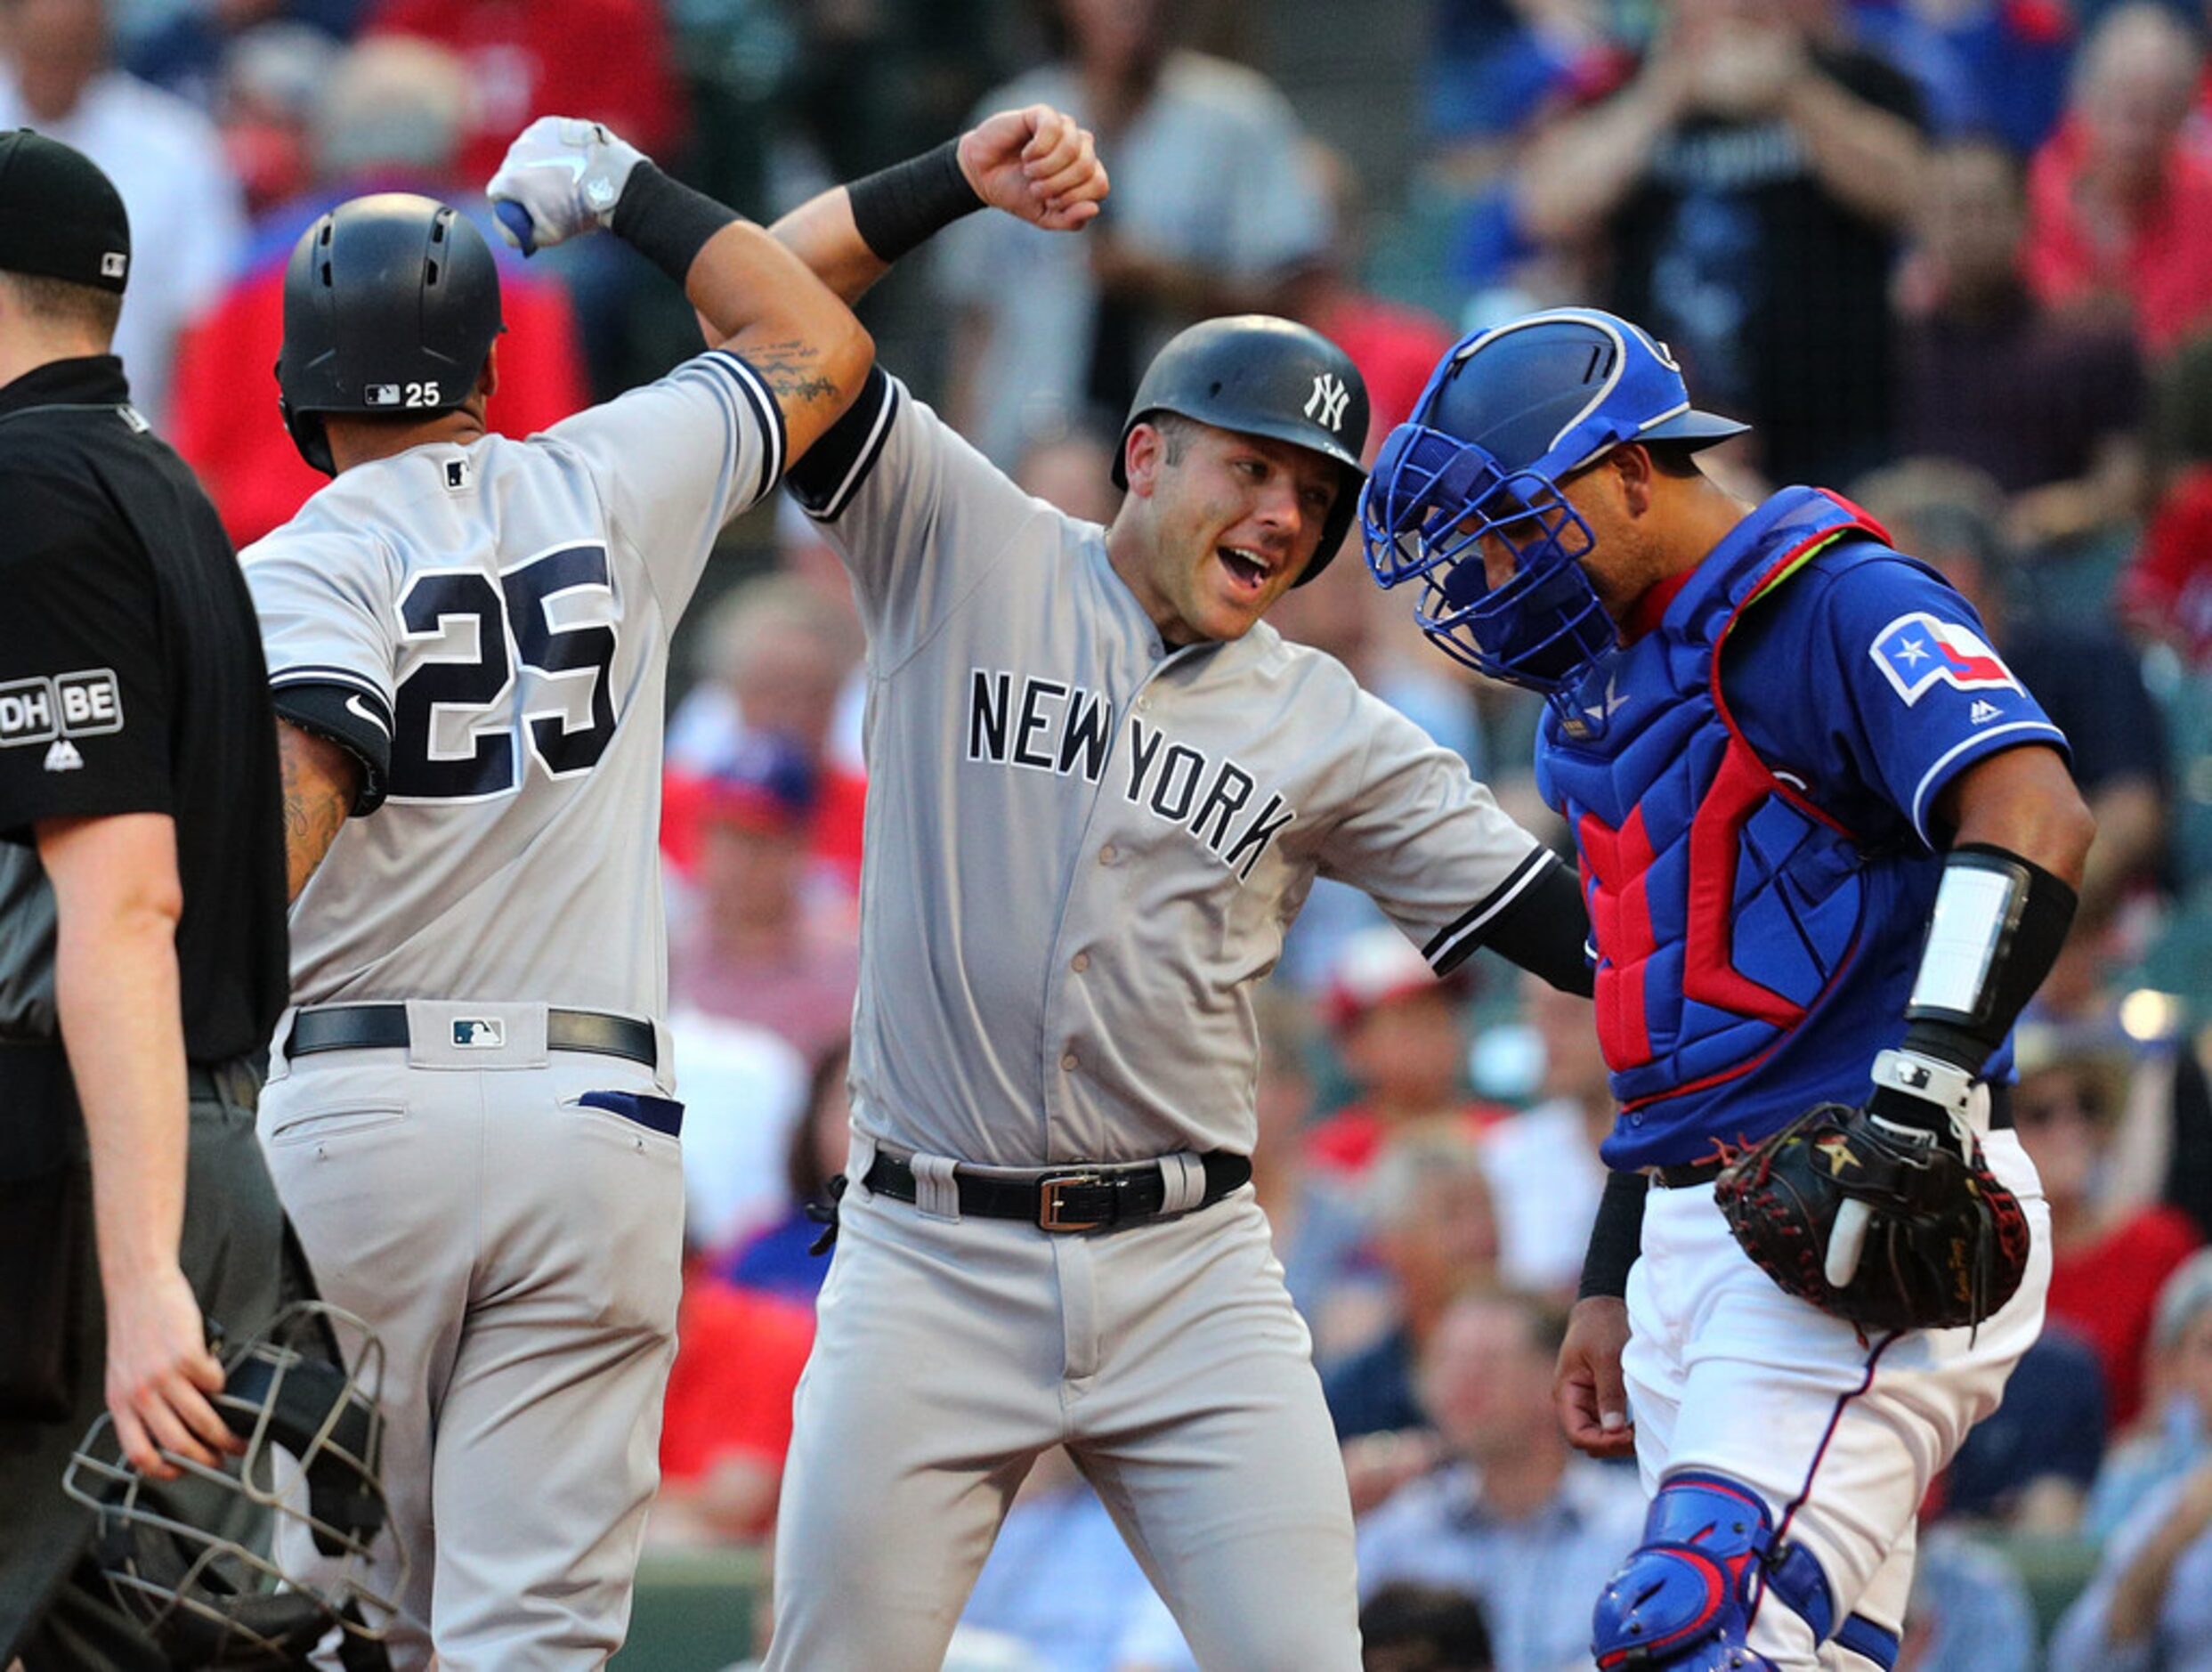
(607, 60)
(737, 1366)
(1348, 1142)
(2164, 270)
(2107, 1289)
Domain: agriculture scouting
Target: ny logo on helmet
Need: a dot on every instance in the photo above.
(1327, 403)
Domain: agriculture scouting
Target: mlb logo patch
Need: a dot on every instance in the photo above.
(479, 1033)
(381, 395)
(113, 264)
(1917, 652)
(457, 475)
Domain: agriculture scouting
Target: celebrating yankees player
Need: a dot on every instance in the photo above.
(467, 639)
(1099, 791)
(1828, 844)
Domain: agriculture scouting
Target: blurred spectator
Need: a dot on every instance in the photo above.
(2087, 679)
(2166, 595)
(1749, 184)
(778, 1257)
(1073, 470)
(2175, 1433)
(2120, 207)
(2149, 1609)
(1510, 1516)
(386, 121)
(1061, 1579)
(1313, 1221)
(782, 653)
(1396, 1029)
(165, 160)
(760, 946)
(1207, 217)
(2050, 405)
(726, 1423)
(607, 60)
(1543, 1163)
(265, 104)
(190, 52)
(1434, 1231)
(1395, 347)
(744, 1093)
(1409, 1627)
(2108, 1259)
(2031, 1463)
(1970, 1610)
(1997, 67)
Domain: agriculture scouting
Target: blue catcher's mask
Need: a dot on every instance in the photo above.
(1511, 414)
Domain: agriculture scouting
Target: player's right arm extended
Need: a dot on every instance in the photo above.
(117, 901)
(321, 780)
(1037, 164)
(563, 177)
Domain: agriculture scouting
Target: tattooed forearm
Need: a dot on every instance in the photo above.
(791, 371)
(318, 788)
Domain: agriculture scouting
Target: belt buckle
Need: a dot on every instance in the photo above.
(1056, 1214)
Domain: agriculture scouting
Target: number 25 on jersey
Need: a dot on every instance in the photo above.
(493, 672)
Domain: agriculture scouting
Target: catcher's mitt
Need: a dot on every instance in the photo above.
(1946, 1244)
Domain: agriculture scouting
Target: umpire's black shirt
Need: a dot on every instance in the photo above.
(131, 681)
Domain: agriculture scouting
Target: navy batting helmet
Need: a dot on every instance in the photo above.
(390, 302)
(1262, 376)
(1509, 414)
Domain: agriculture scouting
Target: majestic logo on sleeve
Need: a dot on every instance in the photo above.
(1327, 403)
(1044, 726)
(1917, 652)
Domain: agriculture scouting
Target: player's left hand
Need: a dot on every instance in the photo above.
(560, 176)
(1037, 164)
(1586, 1389)
(1886, 1216)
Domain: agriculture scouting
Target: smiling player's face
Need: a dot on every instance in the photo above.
(1234, 521)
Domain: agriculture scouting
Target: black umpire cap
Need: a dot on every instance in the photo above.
(60, 217)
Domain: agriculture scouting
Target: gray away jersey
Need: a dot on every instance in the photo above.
(1082, 849)
(501, 612)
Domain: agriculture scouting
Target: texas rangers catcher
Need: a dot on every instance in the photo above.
(1828, 844)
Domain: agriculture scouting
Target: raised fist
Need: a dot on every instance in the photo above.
(562, 176)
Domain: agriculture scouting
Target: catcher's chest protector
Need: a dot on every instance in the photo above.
(1722, 902)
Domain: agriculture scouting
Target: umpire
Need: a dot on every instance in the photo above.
(141, 918)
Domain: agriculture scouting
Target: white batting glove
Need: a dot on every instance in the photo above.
(562, 176)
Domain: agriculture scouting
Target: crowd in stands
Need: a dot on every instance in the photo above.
(1950, 257)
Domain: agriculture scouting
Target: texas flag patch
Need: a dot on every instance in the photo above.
(1917, 651)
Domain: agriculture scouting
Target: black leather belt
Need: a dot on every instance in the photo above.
(1688, 1175)
(371, 1027)
(1067, 1198)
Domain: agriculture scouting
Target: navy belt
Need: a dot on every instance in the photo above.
(384, 1026)
(1067, 1198)
(1689, 1174)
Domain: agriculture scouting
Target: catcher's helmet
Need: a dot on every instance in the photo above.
(1262, 376)
(185, 1559)
(390, 302)
(1509, 415)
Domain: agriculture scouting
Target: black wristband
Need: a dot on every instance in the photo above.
(1616, 1237)
(2026, 932)
(665, 221)
(897, 208)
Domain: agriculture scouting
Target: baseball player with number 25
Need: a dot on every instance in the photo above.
(470, 1117)
(1829, 846)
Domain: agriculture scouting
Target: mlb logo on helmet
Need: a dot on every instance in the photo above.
(1917, 652)
(381, 395)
